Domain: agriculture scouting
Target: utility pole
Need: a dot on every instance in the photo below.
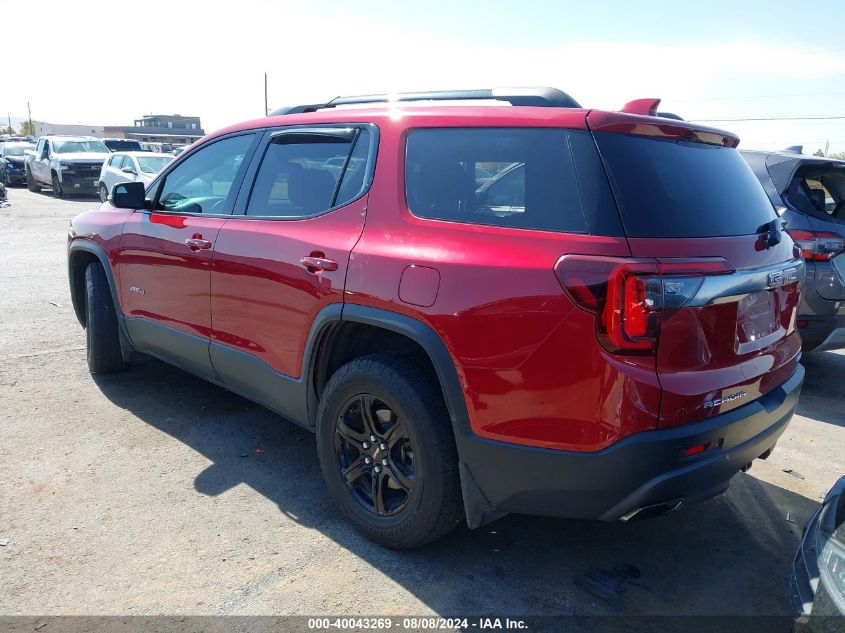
(9, 116)
(266, 109)
(29, 114)
(826, 146)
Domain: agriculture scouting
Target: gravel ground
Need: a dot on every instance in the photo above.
(153, 492)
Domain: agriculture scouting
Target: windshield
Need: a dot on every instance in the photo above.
(70, 147)
(123, 146)
(16, 150)
(153, 164)
(683, 189)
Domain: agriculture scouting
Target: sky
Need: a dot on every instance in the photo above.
(108, 63)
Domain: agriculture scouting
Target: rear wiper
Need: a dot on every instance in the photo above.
(772, 232)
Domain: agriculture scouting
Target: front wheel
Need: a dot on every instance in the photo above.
(30, 182)
(104, 193)
(57, 186)
(387, 452)
(101, 334)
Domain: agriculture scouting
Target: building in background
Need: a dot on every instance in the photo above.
(172, 129)
(42, 128)
(167, 129)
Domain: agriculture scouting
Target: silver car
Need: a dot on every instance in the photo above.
(808, 193)
(130, 167)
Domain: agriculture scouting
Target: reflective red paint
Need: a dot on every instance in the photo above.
(532, 368)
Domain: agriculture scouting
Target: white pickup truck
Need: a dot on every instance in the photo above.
(66, 164)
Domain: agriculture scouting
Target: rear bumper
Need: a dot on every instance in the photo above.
(646, 469)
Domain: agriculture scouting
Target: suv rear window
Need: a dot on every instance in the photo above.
(513, 177)
(682, 189)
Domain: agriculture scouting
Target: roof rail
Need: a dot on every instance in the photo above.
(538, 97)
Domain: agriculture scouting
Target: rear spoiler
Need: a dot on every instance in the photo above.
(641, 118)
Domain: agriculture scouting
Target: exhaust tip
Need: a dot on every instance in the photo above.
(651, 511)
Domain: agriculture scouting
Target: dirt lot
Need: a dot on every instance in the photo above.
(153, 492)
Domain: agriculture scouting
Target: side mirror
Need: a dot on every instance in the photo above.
(43, 154)
(128, 170)
(128, 195)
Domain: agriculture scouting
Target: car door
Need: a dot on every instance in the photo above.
(129, 169)
(40, 165)
(165, 252)
(112, 171)
(283, 255)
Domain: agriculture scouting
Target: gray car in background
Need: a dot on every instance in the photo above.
(808, 192)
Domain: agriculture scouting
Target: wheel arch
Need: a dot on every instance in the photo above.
(477, 507)
(324, 341)
(80, 254)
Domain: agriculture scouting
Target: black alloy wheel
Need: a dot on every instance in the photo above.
(375, 455)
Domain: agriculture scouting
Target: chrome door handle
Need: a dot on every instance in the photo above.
(197, 244)
(316, 264)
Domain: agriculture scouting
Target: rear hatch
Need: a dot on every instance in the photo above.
(714, 283)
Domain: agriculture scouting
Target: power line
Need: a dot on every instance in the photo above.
(776, 96)
(773, 118)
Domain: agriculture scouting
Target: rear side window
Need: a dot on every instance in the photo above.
(819, 189)
(682, 189)
(305, 175)
(511, 177)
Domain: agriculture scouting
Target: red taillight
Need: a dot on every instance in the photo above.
(818, 246)
(629, 296)
(637, 305)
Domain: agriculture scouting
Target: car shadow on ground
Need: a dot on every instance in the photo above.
(730, 555)
(822, 396)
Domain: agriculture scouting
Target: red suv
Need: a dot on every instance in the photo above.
(482, 302)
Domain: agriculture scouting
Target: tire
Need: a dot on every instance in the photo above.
(104, 193)
(30, 183)
(101, 334)
(57, 186)
(420, 497)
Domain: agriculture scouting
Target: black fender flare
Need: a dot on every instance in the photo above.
(414, 329)
(477, 507)
(92, 248)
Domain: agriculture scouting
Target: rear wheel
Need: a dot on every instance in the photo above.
(57, 186)
(104, 193)
(387, 452)
(101, 334)
(30, 182)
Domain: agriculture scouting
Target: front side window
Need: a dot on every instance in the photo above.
(304, 175)
(202, 183)
(509, 177)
